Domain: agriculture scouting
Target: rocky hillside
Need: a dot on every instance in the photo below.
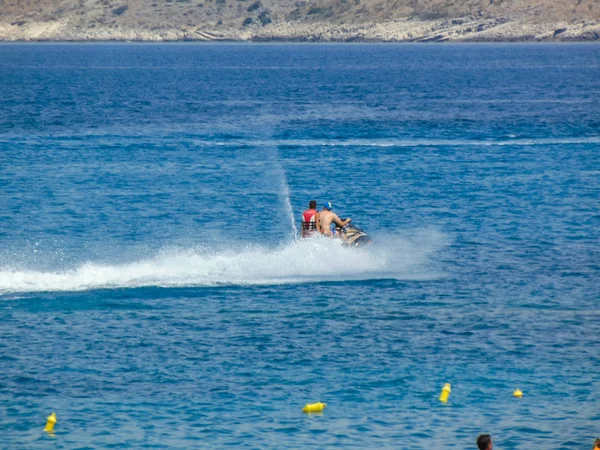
(300, 20)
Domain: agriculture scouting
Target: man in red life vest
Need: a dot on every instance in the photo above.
(310, 220)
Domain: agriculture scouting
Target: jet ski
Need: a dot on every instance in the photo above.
(352, 236)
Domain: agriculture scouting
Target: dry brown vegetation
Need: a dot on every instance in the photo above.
(300, 19)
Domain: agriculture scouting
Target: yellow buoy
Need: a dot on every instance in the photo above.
(445, 393)
(51, 421)
(314, 407)
(518, 393)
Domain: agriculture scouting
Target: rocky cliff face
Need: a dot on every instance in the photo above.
(300, 20)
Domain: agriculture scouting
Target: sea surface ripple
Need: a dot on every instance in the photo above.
(153, 292)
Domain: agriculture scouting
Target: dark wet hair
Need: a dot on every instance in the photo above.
(483, 441)
(597, 443)
(312, 204)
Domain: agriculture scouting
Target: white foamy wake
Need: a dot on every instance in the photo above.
(384, 142)
(308, 260)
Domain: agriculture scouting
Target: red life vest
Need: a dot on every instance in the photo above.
(309, 222)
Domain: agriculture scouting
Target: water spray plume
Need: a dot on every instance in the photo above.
(306, 260)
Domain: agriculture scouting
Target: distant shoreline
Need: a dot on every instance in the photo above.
(284, 42)
(460, 30)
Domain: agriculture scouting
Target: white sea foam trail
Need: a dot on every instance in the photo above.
(309, 260)
(383, 142)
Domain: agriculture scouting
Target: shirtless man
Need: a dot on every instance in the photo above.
(326, 218)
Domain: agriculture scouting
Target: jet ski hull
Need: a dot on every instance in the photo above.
(353, 236)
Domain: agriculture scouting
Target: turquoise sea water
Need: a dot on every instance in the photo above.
(154, 295)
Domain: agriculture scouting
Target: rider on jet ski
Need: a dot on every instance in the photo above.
(310, 220)
(329, 224)
(328, 220)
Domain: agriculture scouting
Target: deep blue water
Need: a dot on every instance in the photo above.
(153, 293)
